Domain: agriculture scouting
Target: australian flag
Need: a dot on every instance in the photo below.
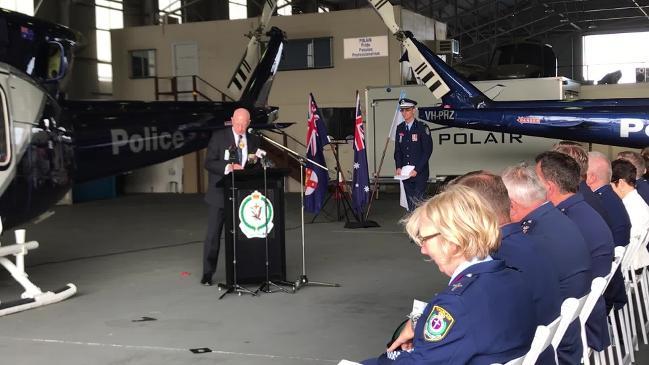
(361, 179)
(316, 179)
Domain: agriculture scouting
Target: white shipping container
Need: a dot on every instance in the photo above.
(458, 150)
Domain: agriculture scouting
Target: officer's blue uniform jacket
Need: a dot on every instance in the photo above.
(642, 186)
(593, 200)
(522, 252)
(621, 229)
(414, 147)
(484, 316)
(562, 241)
(600, 242)
(621, 225)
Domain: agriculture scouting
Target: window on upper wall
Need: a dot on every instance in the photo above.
(238, 9)
(108, 15)
(21, 6)
(284, 7)
(305, 54)
(170, 12)
(607, 53)
(142, 63)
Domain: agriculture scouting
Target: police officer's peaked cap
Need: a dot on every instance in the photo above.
(407, 103)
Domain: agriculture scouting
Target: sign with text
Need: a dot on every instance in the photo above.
(365, 47)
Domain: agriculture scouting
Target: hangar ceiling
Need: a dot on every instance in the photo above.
(481, 25)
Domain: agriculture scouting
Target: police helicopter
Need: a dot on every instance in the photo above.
(618, 122)
(48, 143)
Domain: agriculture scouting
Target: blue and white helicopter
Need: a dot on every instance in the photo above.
(617, 122)
(47, 143)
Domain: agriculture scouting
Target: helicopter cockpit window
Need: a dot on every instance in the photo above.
(5, 141)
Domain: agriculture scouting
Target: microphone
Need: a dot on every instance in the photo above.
(232, 154)
(254, 131)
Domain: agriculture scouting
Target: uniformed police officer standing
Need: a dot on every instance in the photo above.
(413, 147)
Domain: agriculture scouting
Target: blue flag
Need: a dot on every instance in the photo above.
(317, 178)
(361, 179)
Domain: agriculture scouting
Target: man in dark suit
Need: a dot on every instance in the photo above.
(413, 147)
(229, 149)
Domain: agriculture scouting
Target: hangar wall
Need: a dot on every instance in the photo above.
(220, 45)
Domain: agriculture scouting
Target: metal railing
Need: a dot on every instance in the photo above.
(200, 88)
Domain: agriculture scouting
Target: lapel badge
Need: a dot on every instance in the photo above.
(414, 137)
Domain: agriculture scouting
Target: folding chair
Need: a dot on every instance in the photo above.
(596, 290)
(631, 282)
(570, 309)
(621, 334)
(542, 338)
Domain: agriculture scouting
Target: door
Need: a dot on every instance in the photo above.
(185, 64)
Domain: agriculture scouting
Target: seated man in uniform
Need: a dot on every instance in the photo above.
(599, 180)
(486, 314)
(559, 173)
(520, 251)
(559, 238)
(579, 154)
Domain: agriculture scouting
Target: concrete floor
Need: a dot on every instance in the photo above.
(140, 256)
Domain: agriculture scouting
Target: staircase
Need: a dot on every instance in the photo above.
(193, 86)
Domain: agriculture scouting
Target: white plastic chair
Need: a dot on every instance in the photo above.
(542, 338)
(596, 290)
(570, 309)
(632, 281)
(621, 334)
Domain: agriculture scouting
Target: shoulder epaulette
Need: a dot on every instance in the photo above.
(459, 286)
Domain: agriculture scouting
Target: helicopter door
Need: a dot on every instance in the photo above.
(5, 132)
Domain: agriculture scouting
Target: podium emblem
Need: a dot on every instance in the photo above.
(256, 215)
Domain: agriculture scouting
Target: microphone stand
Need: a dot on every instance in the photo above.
(234, 287)
(303, 279)
(266, 285)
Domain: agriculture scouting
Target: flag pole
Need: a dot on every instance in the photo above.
(375, 189)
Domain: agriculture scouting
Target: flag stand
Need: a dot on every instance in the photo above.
(375, 188)
(302, 280)
(393, 127)
(339, 192)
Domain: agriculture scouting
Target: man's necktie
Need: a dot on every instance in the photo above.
(239, 149)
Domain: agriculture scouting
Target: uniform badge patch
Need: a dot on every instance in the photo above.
(414, 138)
(427, 131)
(438, 324)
